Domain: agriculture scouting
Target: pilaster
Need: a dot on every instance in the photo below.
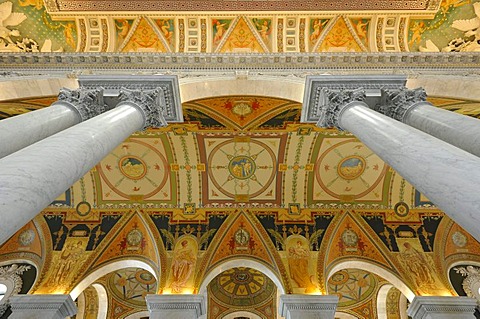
(308, 306)
(42, 306)
(445, 307)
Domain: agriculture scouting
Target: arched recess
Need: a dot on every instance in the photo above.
(370, 267)
(241, 262)
(24, 261)
(279, 87)
(108, 268)
(382, 301)
(246, 314)
(474, 284)
(138, 315)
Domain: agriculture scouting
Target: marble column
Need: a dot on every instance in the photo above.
(175, 306)
(447, 175)
(72, 107)
(447, 307)
(31, 178)
(42, 306)
(308, 306)
(411, 108)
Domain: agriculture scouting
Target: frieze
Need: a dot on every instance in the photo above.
(308, 63)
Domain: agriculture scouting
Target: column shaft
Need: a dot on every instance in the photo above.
(456, 129)
(73, 107)
(30, 179)
(22, 130)
(447, 175)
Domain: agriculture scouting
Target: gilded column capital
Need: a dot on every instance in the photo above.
(150, 102)
(87, 103)
(398, 102)
(333, 102)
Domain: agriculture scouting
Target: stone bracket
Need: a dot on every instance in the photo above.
(112, 84)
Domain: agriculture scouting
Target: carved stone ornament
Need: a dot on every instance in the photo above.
(151, 102)
(332, 103)
(399, 102)
(471, 283)
(10, 276)
(87, 102)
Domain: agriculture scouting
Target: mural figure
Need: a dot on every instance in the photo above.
(418, 266)
(66, 262)
(361, 28)
(298, 257)
(417, 28)
(219, 29)
(182, 266)
(167, 30)
(318, 26)
(123, 28)
(263, 28)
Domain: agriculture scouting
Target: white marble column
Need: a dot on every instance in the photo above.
(42, 306)
(308, 306)
(31, 178)
(72, 107)
(447, 175)
(446, 307)
(175, 306)
(411, 108)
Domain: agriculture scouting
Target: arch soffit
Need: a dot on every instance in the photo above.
(241, 262)
(138, 315)
(377, 270)
(108, 268)
(236, 314)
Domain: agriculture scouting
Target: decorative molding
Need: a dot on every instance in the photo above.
(150, 102)
(316, 99)
(333, 103)
(426, 307)
(10, 276)
(297, 306)
(241, 5)
(167, 99)
(471, 283)
(305, 63)
(177, 303)
(43, 306)
(398, 102)
(87, 103)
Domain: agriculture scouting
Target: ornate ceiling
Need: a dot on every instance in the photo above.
(292, 208)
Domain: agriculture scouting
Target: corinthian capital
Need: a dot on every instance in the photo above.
(151, 102)
(332, 102)
(87, 102)
(399, 101)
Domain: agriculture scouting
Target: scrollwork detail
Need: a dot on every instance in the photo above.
(332, 103)
(87, 102)
(151, 102)
(11, 274)
(399, 101)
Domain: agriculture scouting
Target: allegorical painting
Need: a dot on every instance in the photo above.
(183, 264)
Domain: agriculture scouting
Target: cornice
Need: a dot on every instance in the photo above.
(18, 64)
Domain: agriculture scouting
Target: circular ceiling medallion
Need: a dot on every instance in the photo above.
(242, 167)
(351, 167)
(135, 168)
(83, 208)
(353, 286)
(348, 169)
(145, 277)
(401, 209)
(242, 286)
(26, 237)
(132, 167)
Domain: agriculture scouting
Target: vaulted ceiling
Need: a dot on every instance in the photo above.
(292, 208)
